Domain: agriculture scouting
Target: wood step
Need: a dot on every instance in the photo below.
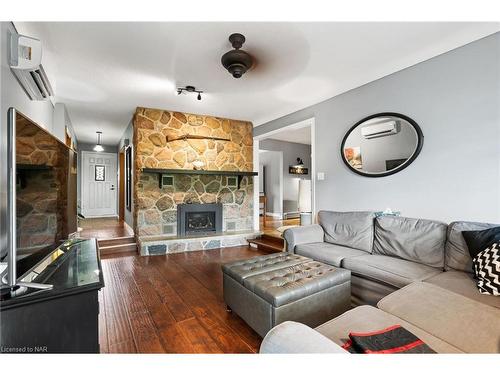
(116, 241)
(269, 246)
(122, 248)
(270, 238)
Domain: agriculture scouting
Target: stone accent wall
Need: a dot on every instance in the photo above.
(153, 126)
(156, 208)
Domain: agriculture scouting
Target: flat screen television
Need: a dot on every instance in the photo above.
(42, 193)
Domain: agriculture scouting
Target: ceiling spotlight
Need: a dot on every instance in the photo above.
(237, 61)
(192, 89)
(98, 147)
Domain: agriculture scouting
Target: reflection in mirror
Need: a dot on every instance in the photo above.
(382, 144)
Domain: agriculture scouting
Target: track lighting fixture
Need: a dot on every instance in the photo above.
(180, 90)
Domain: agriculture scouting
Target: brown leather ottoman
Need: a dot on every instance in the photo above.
(268, 290)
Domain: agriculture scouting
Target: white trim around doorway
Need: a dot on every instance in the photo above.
(256, 143)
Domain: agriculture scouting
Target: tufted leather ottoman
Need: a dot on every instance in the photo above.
(268, 290)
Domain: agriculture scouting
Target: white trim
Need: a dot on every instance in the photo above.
(296, 125)
(310, 122)
(256, 193)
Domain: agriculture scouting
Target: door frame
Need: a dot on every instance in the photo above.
(82, 182)
(121, 184)
(256, 141)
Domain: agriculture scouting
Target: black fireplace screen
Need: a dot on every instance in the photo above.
(200, 222)
(199, 219)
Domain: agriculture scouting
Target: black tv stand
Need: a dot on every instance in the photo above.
(63, 319)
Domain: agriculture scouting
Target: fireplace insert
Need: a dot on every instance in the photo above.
(196, 219)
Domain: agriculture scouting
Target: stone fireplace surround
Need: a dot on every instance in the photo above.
(155, 207)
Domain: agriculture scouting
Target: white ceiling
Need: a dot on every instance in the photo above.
(103, 71)
(301, 135)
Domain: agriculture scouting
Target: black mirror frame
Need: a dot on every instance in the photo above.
(420, 143)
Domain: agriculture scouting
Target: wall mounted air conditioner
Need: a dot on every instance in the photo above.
(379, 130)
(25, 62)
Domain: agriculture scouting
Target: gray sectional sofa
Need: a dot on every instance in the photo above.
(387, 253)
(412, 272)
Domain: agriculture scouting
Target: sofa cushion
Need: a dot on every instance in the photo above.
(463, 283)
(351, 229)
(368, 318)
(327, 252)
(417, 240)
(471, 326)
(389, 270)
(457, 255)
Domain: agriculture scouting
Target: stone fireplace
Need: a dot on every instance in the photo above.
(159, 223)
(199, 219)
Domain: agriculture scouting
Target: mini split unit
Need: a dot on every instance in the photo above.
(379, 130)
(25, 62)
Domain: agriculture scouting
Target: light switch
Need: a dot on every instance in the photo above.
(321, 176)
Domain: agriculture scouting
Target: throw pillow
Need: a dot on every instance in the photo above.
(478, 240)
(487, 269)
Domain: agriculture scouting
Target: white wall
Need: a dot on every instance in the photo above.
(455, 98)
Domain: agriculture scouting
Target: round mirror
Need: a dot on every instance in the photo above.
(382, 144)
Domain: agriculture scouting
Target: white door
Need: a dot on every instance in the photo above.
(98, 184)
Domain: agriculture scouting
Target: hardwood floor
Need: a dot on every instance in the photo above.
(171, 304)
(100, 228)
(272, 224)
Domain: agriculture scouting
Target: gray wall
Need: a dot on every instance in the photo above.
(290, 151)
(455, 98)
(272, 161)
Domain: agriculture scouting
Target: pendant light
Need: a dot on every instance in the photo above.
(98, 147)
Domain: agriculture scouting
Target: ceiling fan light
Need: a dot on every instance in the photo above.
(237, 61)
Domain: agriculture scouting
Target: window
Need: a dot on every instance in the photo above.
(100, 173)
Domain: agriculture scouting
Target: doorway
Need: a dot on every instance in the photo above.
(296, 176)
(99, 193)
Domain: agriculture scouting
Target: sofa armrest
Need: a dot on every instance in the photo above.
(293, 337)
(300, 235)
